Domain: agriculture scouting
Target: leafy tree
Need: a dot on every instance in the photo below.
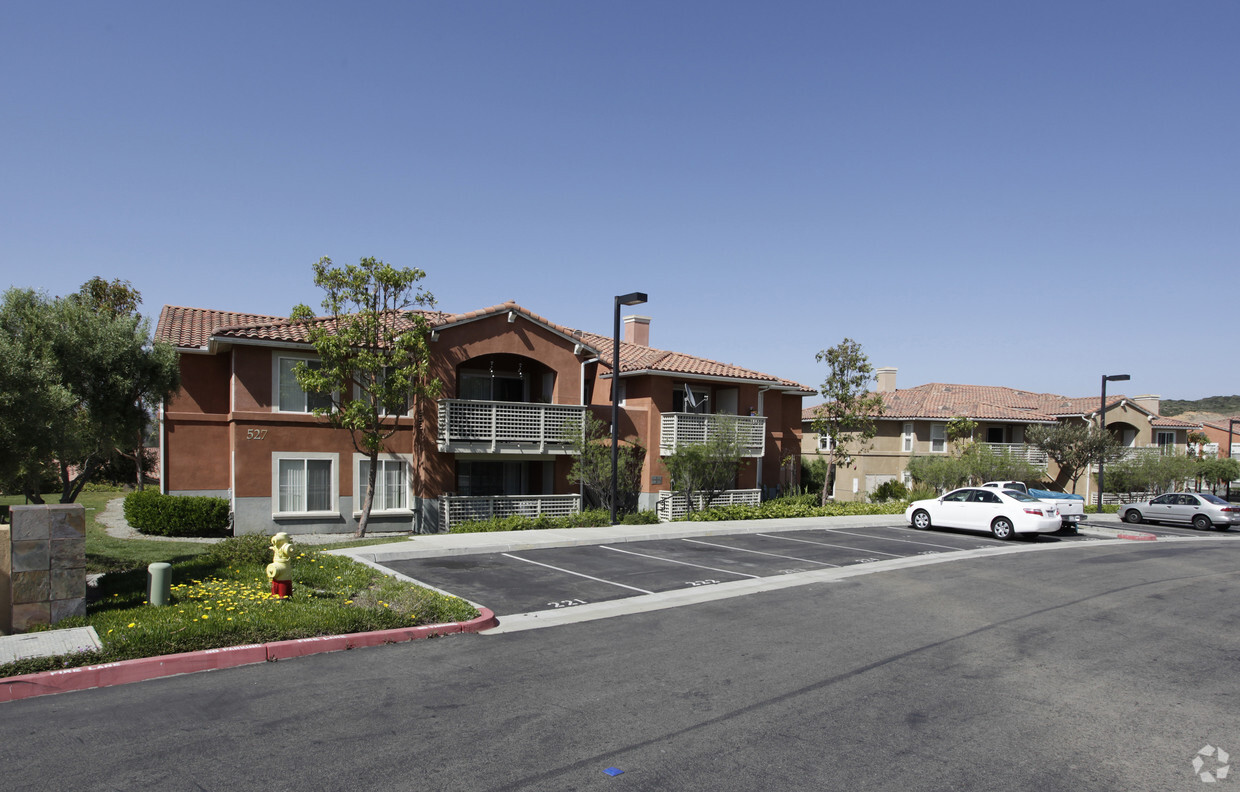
(1150, 473)
(1214, 472)
(591, 449)
(1074, 447)
(848, 414)
(706, 468)
(984, 463)
(938, 471)
(75, 385)
(373, 355)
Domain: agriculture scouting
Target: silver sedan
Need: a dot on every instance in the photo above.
(1198, 509)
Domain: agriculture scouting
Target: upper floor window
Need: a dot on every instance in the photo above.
(907, 437)
(400, 409)
(289, 395)
(824, 443)
(938, 438)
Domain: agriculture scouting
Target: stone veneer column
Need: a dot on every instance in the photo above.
(46, 578)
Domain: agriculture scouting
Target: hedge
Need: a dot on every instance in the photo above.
(149, 512)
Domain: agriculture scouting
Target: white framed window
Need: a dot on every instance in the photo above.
(391, 483)
(906, 479)
(383, 410)
(824, 443)
(938, 438)
(289, 397)
(1164, 439)
(304, 484)
(907, 437)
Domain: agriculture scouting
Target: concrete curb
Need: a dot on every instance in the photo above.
(1113, 533)
(138, 670)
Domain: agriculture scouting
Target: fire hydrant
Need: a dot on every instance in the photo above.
(280, 570)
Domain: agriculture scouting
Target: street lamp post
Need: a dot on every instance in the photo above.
(1102, 421)
(1231, 423)
(633, 298)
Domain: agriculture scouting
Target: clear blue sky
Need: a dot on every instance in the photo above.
(989, 193)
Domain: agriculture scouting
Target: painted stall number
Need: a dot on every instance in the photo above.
(928, 552)
(255, 434)
(567, 603)
(700, 582)
(790, 571)
(864, 560)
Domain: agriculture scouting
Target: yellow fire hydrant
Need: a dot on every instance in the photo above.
(280, 570)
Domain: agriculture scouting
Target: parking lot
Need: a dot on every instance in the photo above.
(555, 578)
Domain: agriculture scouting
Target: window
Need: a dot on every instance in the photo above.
(391, 484)
(907, 437)
(938, 438)
(402, 409)
(289, 395)
(824, 444)
(1164, 440)
(304, 484)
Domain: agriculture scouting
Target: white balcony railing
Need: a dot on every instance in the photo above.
(457, 509)
(1032, 455)
(674, 505)
(492, 427)
(679, 429)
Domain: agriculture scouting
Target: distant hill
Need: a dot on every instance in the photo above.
(1223, 405)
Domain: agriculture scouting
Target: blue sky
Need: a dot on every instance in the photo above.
(1020, 194)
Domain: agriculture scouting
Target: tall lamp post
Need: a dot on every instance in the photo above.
(1102, 420)
(1231, 423)
(633, 298)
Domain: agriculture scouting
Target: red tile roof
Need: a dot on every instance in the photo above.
(195, 327)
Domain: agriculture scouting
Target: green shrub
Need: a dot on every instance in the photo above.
(150, 512)
(922, 492)
(247, 549)
(890, 490)
(785, 508)
(591, 518)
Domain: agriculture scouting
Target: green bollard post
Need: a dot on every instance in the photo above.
(159, 583)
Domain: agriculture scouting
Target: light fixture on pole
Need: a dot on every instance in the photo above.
(633, 298)
(1102, 423)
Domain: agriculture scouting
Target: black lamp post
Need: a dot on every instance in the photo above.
(633, 298)
(1102, 420)
(1231, 423)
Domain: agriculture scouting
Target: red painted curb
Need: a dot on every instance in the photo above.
(1141, 537)
(143, 668)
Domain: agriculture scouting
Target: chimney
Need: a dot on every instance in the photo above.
(637, 330)
(1149, 402)
(886, 379)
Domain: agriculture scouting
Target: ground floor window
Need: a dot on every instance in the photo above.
(391, 484)
(305, 484)
(500, 477)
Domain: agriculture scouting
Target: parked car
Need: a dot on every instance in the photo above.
(1005, 513)
(1071, 507)
(1198, 509)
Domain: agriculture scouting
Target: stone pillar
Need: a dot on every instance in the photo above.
(45, 578)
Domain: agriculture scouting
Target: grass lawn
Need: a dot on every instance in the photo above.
(221, 597)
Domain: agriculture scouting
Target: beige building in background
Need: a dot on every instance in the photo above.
(914, 421)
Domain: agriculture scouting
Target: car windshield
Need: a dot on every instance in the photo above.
(1020, 496)
(1209, 498)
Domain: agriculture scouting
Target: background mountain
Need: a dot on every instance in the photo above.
(1216, 405)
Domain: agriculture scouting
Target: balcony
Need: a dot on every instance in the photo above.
(681, 429)
(493, 427)
(457, 509)
(1034, 456)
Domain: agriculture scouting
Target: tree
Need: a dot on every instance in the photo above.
(707, 468)
(938, 471)
(1074, 447)
(74, 387)
(373, 355)
(1218, 471)
(590, 446)
(848, 414)
(1150, 473)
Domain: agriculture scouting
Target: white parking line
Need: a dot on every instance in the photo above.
(842, 547)
(578, 574)
(889, 539)
(759, 552)
(684, 563)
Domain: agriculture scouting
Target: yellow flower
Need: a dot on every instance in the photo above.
(133, 624)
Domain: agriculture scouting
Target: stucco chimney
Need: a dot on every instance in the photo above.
(637, 330)
(886, 379)
(1149, 402)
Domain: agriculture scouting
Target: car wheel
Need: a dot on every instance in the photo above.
(921, 519)
(1202, 523)
(1132, 516)
(1002, 528)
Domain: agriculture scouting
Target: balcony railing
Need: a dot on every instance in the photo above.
(1032, 455)
(457, 509)
(492, 427)
(681, 429)
(674, 505)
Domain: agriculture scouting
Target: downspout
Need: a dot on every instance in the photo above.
(163, 454)
(762, 412)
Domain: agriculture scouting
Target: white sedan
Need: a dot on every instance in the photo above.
(1004, 513)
